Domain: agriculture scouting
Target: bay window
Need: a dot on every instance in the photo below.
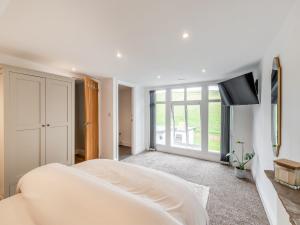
(189, 118)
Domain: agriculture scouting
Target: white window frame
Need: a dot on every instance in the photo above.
(203, 153)
(185, 103)
(209, 101)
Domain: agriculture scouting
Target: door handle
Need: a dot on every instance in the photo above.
(87, 123)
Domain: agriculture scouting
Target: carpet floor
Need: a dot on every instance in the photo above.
(231, 201)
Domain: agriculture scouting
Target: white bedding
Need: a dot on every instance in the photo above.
(14, 211)
(173, 194)
(102, 192)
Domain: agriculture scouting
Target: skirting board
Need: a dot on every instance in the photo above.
(264, 204)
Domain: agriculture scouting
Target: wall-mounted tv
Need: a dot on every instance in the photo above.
(240, 90)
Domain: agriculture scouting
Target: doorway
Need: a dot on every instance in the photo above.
(124, 121)
(86, 120)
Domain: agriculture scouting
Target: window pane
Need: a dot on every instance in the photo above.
(213, 93)
(160, 95)
(214, 126)
(193, 93)
(178, 131)
(177, 94)
(194, 124)
(161, 124)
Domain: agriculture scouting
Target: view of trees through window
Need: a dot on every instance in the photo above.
(214, 119)
(194, 124)
(186, 114)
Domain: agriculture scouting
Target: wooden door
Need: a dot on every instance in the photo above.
(91, 119)
(27, 117)
(58, 121)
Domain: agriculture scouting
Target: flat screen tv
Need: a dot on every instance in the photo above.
(239, 90)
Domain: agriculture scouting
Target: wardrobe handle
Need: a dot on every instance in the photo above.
(48, 125)
(43, 125)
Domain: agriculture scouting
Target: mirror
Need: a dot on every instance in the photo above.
(276, 106)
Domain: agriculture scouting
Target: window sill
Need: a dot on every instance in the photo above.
(190, 148)
(214, 152)
(199, 154)
(186, 147)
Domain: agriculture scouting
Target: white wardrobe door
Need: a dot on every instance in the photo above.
(58, 121)
(27, 146)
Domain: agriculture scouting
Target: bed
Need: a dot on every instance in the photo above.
(102, 192)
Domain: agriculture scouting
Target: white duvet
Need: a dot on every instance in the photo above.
(102, 192)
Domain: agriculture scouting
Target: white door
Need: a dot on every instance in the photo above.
(27, 146)
(58, 121)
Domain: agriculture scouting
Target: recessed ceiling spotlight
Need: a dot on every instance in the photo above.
(203, 70)
(73, 69)
(185, 35)
(158, 77)
(119, 55)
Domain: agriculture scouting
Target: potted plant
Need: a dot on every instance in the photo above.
(239, 165)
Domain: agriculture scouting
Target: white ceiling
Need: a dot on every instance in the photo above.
(86, 34)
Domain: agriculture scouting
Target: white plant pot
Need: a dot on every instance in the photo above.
(240, 173)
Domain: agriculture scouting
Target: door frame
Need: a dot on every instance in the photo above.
(133, 123)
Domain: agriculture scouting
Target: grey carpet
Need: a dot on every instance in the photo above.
(231, 201)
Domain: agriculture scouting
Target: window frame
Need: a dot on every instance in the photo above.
(204, 104)
(210, 101)
(185, 103)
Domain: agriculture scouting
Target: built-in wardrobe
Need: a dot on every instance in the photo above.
(36, 123)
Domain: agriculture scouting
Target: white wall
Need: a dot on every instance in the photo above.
(108, 118)
(287, 46)
(125, 117)
(241, 129)
(139, 120)
(2, 175)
